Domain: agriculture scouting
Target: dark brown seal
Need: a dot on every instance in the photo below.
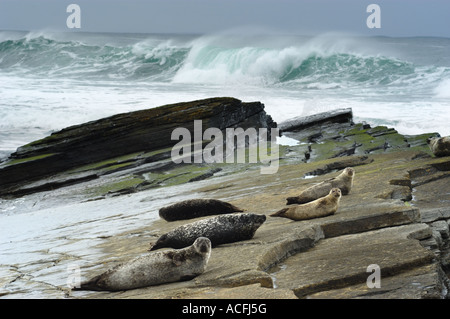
(321, 207)
(344, 182)
(220, 229)
(154, 268)
(193, 208)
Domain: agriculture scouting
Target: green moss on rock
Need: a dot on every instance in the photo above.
(123, 184)
(28, 159)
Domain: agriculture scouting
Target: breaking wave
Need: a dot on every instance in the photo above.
(316, 63)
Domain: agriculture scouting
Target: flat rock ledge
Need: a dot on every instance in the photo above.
(321, 258)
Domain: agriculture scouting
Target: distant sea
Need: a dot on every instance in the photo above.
(51, 80)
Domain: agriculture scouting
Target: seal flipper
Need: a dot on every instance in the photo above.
(291, 200)
(279, 213)
(160, 243)
(152, 246)
(237, 209)
(92, 284)
(177, 258)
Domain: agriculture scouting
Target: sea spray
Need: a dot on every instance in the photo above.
(443, 89)
(303, 63)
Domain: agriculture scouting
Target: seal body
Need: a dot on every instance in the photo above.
(344, 182)
(220, 229)
(440, 146)
(154, 268)
(321, 207)
(194, 208)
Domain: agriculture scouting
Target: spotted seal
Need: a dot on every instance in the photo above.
(220, 229)
(440, 146)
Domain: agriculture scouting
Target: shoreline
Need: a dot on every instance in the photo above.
(394, 176)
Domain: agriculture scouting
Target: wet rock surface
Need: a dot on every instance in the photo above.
(322, 258)
(394, 217)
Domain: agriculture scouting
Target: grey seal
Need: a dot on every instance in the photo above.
(440, 146)
(344, 182)
(220, 229)
(154, 268)
(193, 208)
(321, 207)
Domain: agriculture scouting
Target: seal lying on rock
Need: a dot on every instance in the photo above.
(344, 182)
(193, 208)
(154, 268)
(321, 207)
(220, 230)
(440, 146)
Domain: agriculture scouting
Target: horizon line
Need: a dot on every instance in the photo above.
(226, 32)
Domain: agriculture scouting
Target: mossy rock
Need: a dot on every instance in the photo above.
(17, 161)
(126, 184)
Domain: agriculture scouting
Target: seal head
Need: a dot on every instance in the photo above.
(440, 146)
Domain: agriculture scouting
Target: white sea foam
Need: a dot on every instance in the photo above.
(245, 60)
(443, 89)
(79, 78)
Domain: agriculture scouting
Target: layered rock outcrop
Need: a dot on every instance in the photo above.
(128, 134)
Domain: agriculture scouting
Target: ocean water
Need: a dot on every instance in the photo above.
(51, 80)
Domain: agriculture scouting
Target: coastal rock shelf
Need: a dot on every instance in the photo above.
(118, 142)
(396, 215)
(322, 258)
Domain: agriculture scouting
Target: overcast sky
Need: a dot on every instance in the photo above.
(398, 17)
